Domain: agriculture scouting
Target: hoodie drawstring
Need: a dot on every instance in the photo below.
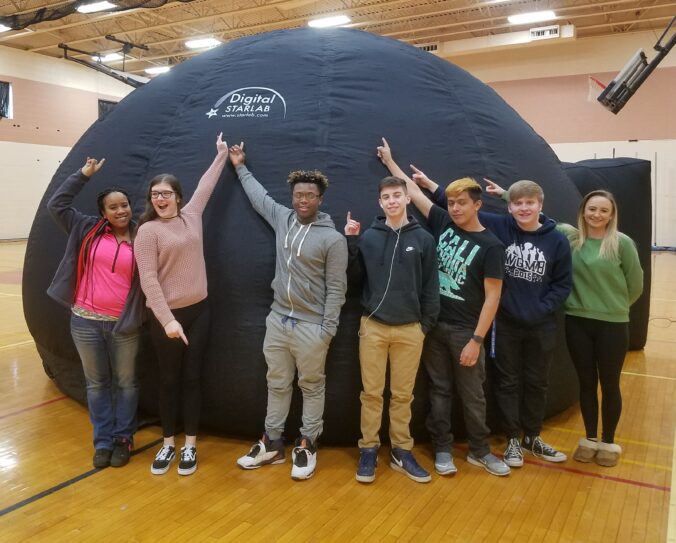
(302, 240)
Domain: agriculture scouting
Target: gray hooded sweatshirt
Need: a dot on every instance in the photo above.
(310, 278)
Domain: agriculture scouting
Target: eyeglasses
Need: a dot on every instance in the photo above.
(165, 194)
(309, 196)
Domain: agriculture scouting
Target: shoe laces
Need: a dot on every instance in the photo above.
(164, 453)
(188, 454)
(513, 448)
(255, 449)
(544, 447)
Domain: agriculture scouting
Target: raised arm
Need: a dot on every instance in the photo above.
(355, 268)
(60, 204)
(207, 183)
(261, 201)
(417, 197)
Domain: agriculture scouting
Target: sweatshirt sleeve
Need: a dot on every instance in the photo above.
(631, 267)
(206, 185)
(439, 197)
(60, 205)
(145, 252)
(261, 201)
(430, 301)
(561, 281)
(336, 284)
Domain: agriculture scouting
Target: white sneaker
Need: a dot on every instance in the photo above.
(304, 457)
(263, 452)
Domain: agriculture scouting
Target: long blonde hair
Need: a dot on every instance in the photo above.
(610, 245)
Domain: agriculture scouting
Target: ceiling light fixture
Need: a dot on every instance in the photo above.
(202, 43)
(158, 70)
(325, 22)
(111, 57)
(532, 17)
(94, 7)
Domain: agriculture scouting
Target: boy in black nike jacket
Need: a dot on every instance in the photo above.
(401, 303)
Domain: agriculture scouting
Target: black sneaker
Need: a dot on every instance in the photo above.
(121, 452)
(188, 463)
(513, 455)
(538, 448)
(102, 458)
(162, 460)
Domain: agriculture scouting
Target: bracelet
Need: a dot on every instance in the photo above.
(478, 339)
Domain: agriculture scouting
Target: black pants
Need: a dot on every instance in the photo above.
(181, 366)
(598, 349)
(523, 357)
(441, 358)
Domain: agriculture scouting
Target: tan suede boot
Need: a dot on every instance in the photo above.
(608, 454)
(586, 450)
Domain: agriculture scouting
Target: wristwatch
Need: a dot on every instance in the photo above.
(478, 339)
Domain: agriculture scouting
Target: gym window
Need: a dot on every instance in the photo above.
(105, 107)
(6, 100)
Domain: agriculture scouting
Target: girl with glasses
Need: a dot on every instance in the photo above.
(170, 258)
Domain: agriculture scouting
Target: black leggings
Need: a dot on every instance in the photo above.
(181, 366)
(598, 349)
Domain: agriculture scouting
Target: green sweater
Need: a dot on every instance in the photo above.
(603, 289)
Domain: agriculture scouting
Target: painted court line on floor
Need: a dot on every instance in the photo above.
(558, 467)
(649, 375)
(69, 482)
(31, 407)
(620, 439)
(16, 344)
(599, 476)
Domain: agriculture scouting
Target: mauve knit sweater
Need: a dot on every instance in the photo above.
(170, 254)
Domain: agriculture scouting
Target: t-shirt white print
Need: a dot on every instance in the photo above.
(526, 262)
(455, 255)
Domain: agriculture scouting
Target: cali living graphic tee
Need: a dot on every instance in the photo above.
(465, 260)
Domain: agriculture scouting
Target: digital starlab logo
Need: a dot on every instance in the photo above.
(258, 102)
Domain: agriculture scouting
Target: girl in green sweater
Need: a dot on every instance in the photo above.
(607, 279)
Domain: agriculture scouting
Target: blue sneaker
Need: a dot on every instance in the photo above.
(368, 461)
(491, 463)
(404, 461)
(443, 463)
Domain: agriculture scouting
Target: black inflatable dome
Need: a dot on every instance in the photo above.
(300, 99)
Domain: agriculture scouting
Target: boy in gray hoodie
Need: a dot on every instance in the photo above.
(309, 290)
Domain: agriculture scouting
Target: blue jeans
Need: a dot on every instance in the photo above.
(109, 364)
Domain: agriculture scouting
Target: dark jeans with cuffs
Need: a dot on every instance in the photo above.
(441, 359)
(181, 367)
(523, 357)
(598, 349)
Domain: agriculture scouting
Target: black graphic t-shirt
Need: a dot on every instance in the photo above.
(465, 260)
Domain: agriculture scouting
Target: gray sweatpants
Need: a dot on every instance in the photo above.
(292, 345)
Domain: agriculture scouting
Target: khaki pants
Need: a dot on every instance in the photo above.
(403, 345)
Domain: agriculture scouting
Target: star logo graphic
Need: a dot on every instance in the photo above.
(211, 113)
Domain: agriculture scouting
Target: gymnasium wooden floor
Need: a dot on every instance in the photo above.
(48, 491)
